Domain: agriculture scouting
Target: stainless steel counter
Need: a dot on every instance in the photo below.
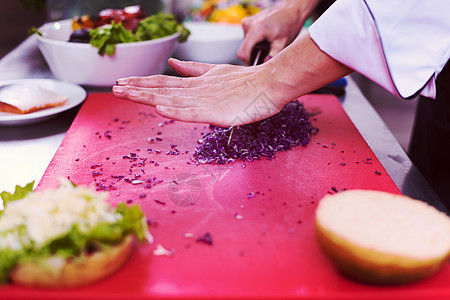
(25, 151)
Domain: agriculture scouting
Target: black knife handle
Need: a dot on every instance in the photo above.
(264, 47)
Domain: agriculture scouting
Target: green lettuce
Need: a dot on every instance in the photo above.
(106, 38)
(8, 260)
(19, 193)
(156, 26)
(75, 241)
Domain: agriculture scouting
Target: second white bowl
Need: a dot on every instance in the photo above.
(209, 42)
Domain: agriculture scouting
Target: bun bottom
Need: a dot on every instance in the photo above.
(380, 238)
(372, 267)
(58, 273)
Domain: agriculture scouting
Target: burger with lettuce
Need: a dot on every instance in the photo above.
(65, 237)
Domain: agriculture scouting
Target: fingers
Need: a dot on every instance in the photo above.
(184, 68)
(155, 81)
(276, 47)
(247, 45)
(155, 96)
(247, 23)
(192, 114)
(216, 75)
(249, 41)
(184, 108)
(192, 69)
(189, 68)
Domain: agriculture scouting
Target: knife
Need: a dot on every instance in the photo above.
(257, 56)
(259, 52)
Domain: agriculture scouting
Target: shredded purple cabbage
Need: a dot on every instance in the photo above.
(289, 128)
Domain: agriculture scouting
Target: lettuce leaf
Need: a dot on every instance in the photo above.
(8, 260)
(106, 38)
(75, 241)
(19, 193)
(156, 26)
(133, 220)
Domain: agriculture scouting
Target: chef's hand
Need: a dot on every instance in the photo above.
(227, 95)
(279, 24)
(223, 95)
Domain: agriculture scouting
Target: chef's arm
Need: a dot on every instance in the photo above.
(302, 68)
(401, 45)
(228, 95)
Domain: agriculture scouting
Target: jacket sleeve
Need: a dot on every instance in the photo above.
(401, 45)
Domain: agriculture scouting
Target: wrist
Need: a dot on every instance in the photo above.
(301, 68)
(280, 81)
(301, 8)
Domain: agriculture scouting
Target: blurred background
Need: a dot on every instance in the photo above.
(20, 15)
(15, 22)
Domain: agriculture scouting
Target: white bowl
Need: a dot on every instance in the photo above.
(209, 42)
(80, 62)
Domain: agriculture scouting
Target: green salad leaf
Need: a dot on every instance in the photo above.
(158, 26)
(106, 38)
(75, 241)
(19, 193)
(8, 260)
(34, 30)
(131, 222)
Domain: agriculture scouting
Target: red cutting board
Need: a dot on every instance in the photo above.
(263, 246)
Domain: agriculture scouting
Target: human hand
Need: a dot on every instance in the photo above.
(223, 95)
(228, 95)
(280, 25)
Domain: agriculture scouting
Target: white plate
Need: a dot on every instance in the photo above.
(75, 93)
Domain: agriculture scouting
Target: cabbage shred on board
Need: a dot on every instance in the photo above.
(289, 128)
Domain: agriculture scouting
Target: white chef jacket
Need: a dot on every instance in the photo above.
(401, 45)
